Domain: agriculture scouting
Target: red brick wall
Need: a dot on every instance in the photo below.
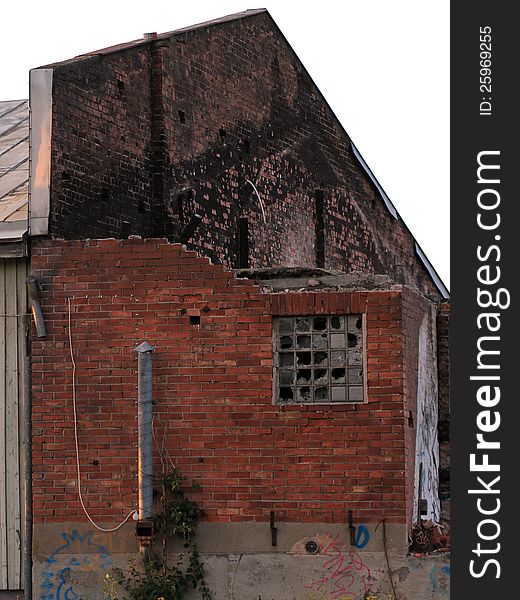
(122, 154)
(212, 390)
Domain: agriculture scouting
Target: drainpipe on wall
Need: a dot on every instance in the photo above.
(33, 290)
(144, 527)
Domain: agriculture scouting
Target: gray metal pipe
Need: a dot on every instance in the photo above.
(28, 520)
(144, 425)
(33, 291)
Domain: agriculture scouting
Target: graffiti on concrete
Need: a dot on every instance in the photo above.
(345, 575)
(317, 596)
(362, 537)
(439, 580)
(79, 555)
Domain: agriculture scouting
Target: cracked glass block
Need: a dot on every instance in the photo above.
(286, 359)
(355, 376)
(354, 357)
(320, 341)
(304, 376)
(353, 340)
(286, 342)
(338, 376)
(303, 359)
(337, 323)
(303, 394)
(286, 377)
(286, 394)
(303, 342)
(321, 394)
(320, 359)
(321, 376)
(337, 358)
(319, 323)
(285, 325)
(303, 323)
(354, 323)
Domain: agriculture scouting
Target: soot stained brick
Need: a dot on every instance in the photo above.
(201, 110)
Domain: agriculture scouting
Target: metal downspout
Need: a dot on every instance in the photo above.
(33, 291)
(144, 425)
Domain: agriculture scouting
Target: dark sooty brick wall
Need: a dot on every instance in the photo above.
(148, 136)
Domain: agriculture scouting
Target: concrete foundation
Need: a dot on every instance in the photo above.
(72, 561)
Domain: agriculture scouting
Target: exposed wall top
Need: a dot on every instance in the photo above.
(14, 169)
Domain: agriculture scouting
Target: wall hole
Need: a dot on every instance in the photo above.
(182, 116)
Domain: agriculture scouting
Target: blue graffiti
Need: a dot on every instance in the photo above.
(84, 554)
(438, 582)
(69, 593)
(362, 537)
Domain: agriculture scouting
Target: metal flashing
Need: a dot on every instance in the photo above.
(432, 272)
(388, 203)
(40, 106)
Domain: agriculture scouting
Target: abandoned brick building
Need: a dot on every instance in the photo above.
(194, 190)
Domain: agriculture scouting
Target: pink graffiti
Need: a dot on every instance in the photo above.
(342, 571)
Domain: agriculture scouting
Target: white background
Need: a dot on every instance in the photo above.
(383, 66)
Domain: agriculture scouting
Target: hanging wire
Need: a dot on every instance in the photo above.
(78, 468)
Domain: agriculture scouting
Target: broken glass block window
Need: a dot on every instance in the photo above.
(319, 359)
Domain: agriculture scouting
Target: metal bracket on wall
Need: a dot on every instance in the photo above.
(274, 531)
(351, 528)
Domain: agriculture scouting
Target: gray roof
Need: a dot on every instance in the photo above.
(14, 169)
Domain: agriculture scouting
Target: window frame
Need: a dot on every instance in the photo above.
(328, 402)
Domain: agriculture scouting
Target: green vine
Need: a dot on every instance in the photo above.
(179, 516)
(156, 579)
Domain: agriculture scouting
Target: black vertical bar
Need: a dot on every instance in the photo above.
(484, 327)
(243, 243)
(320, 229)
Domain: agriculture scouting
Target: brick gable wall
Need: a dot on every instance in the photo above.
(145, 138)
